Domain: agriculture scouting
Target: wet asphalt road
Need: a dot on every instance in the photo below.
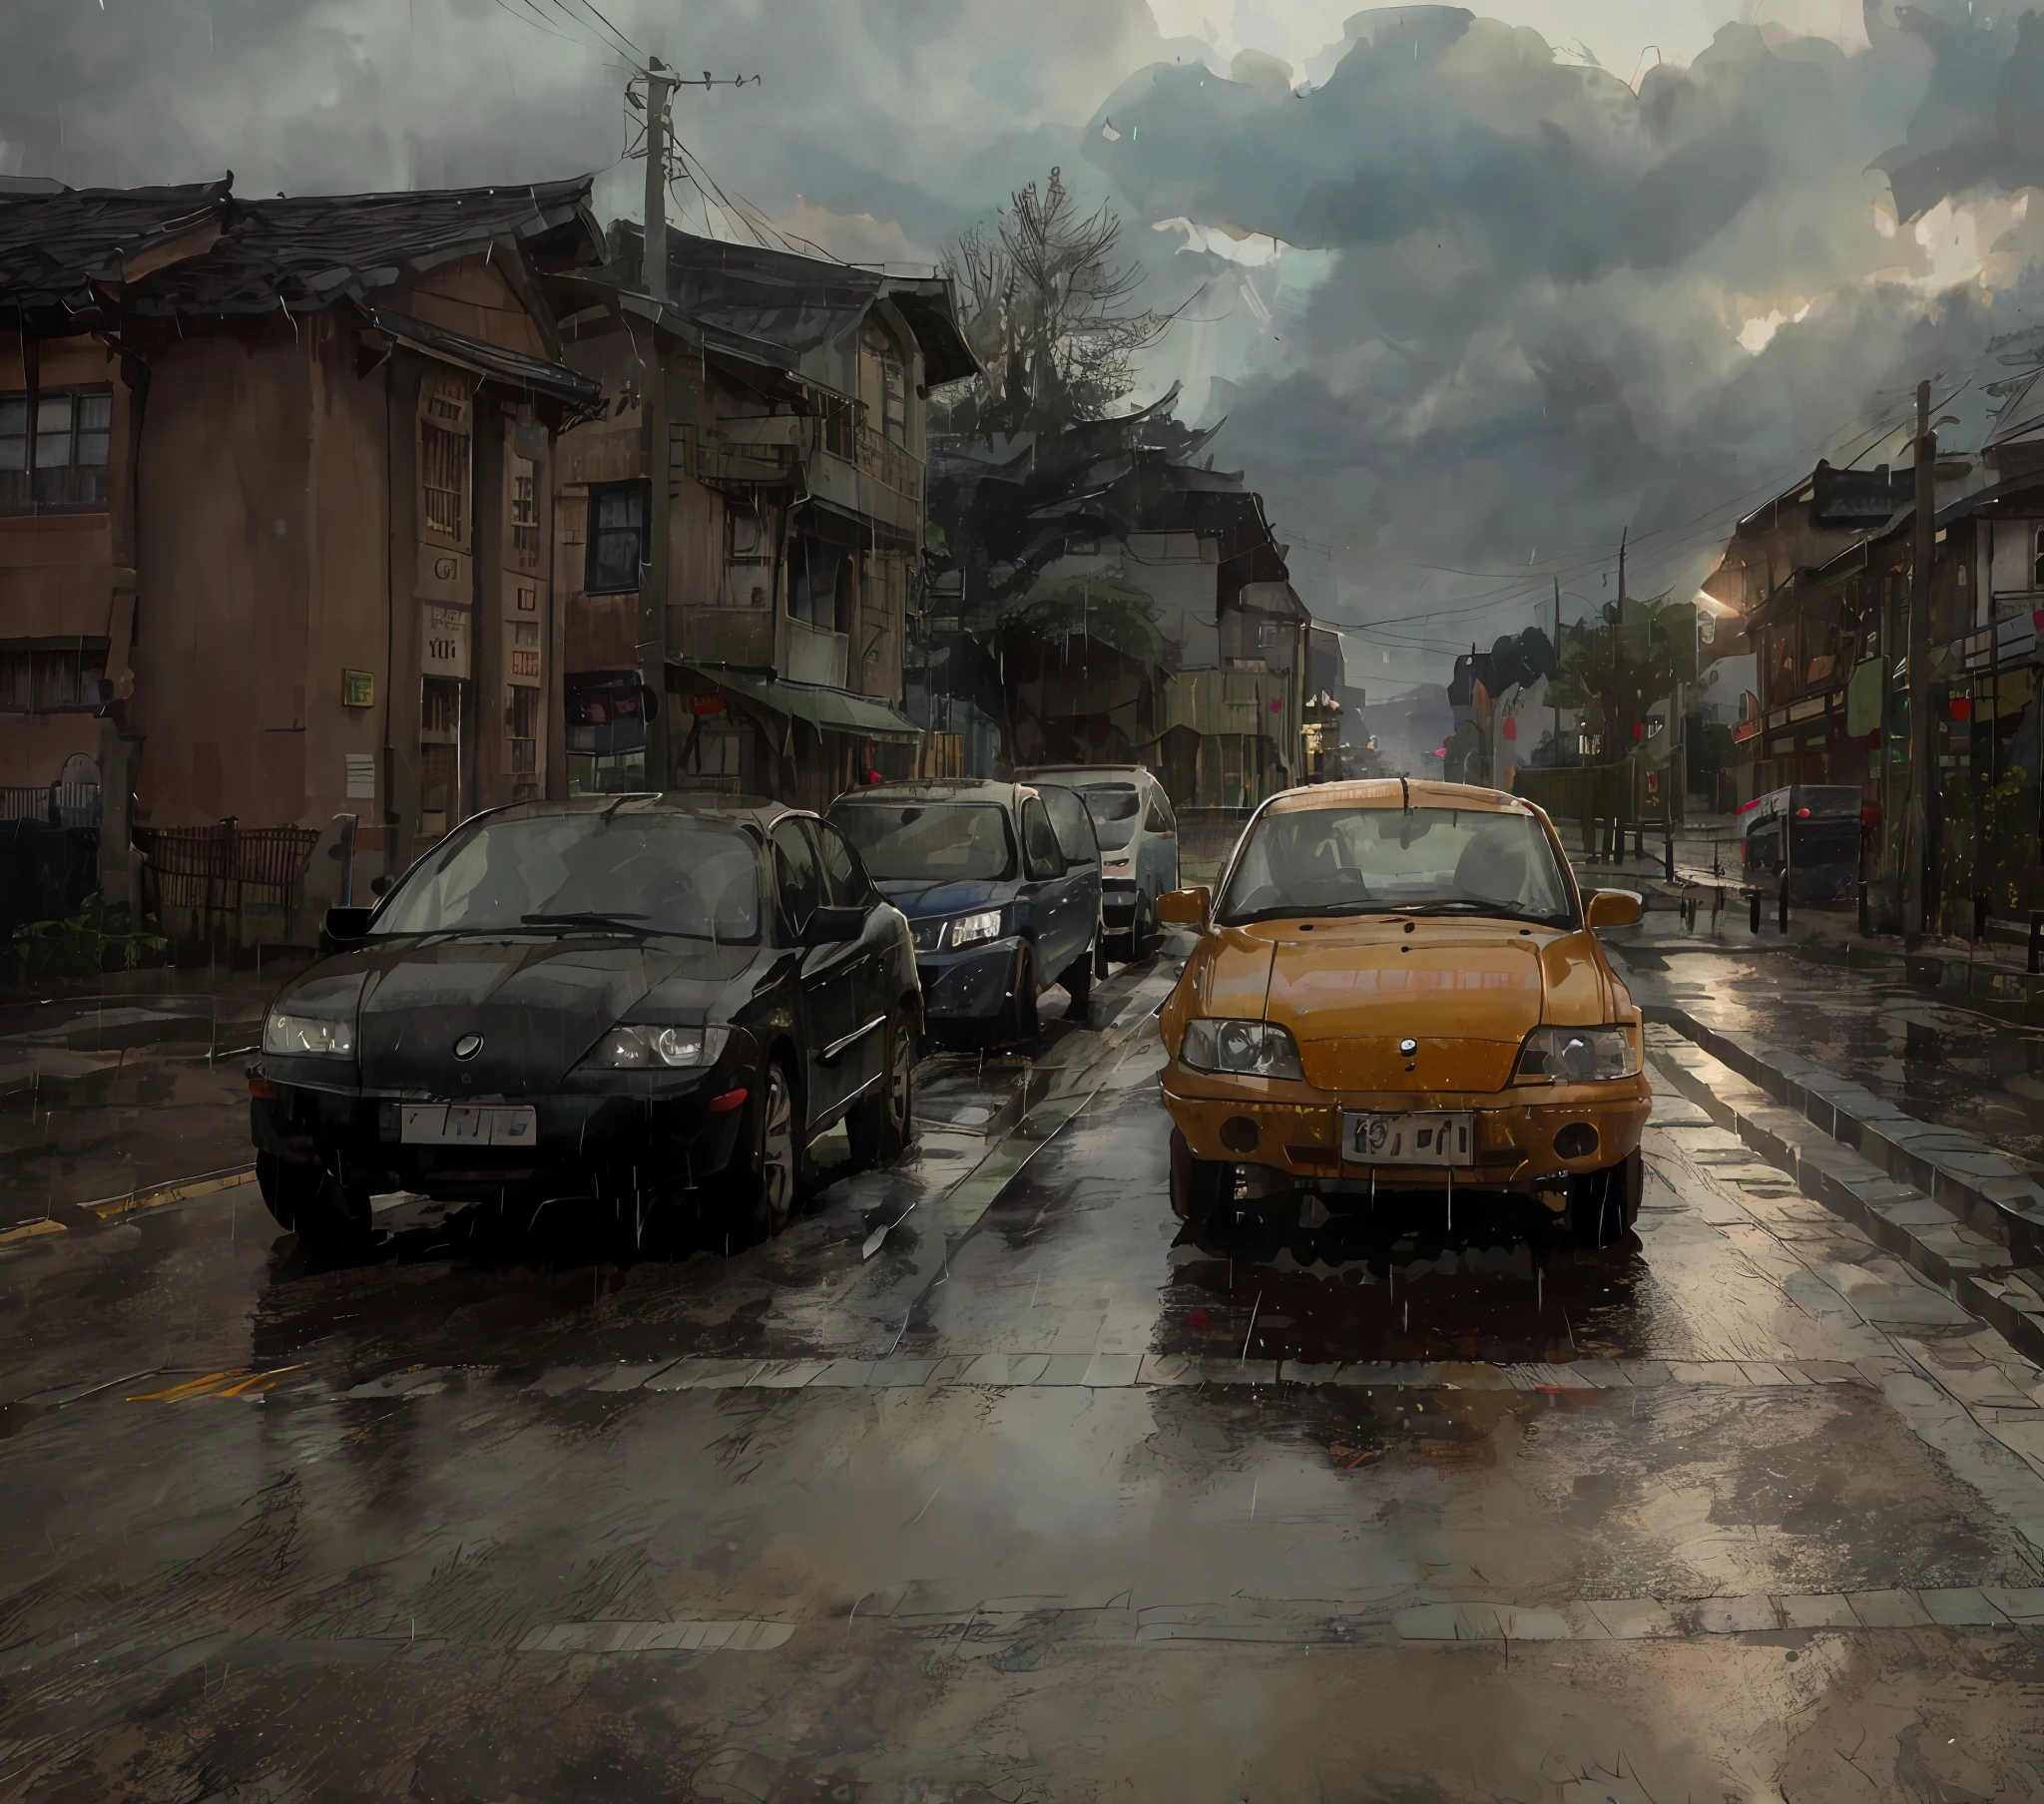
(985, 1481)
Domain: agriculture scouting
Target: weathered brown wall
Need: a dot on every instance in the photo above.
(473, 296)
(224, 536)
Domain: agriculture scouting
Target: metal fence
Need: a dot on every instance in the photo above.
(55, 805)
(218, 871)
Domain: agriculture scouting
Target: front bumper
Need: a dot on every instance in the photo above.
(1297, 1130)
(667, 1140)
(968, 986)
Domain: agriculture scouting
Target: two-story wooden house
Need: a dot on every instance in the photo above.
(791, 505)
(274, 503)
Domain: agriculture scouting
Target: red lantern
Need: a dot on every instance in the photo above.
(1639, 729)
(1511, 728)
(1962, 707)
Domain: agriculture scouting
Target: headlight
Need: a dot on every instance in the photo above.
(1257, 1049)
(1578, 1054)
(969, 930)
(632, 1046)
(309, 1036)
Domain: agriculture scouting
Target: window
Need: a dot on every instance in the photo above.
(617, 537)
(794, 863)
(882, 385)
(1076, 835)
(844, 881)
(522, 728)
(1040, 855)
(1158, 819)
(744, 533)
(63, 680)
(443, 458)
(54, 450)
(2036, 559)
(525, 649)
(524, 514)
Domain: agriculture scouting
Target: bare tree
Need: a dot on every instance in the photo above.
(1044, 302)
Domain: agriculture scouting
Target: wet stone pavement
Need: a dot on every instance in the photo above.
(986, 1482)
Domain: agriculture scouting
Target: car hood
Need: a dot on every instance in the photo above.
(538, 1005)
(1470, 990)
(921, 901)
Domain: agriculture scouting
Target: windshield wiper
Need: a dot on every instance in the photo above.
(1468, 905)
(624, 923)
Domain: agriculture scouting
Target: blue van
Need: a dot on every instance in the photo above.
(1001, 886)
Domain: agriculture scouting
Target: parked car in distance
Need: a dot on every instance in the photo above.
(621, 1004)
(1138, 834)
(1001, 886)
(1811, 830)
(1398, 992)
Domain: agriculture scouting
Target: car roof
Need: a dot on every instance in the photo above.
(935, 790)
(1063, 775)
(1399, 793)
(704, 804)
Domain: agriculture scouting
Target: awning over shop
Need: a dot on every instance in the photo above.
(829, 711)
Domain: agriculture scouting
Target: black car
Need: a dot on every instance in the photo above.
(1001, 884)
(636, 1003)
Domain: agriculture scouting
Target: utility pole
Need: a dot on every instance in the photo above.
(1554, 681)
(660, 89)
(1915, 900)
(1617, 689)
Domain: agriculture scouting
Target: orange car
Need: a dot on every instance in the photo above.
(1397, 986)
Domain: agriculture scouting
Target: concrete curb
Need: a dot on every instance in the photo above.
(1989, 1192)
(1978, 1271)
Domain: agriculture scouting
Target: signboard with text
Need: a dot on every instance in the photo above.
(443, 639)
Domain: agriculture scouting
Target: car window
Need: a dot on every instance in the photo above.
(1040, 854)
(661, 871)
(794, 866)
(1158, 819)
(1068, 817)
(1116, 808)
(926, 842)
(1376, 860)
(845, 878)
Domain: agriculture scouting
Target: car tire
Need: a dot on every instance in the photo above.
(1018, 1019)
(1605, 1203)
(882, 1126)
(1144, 933)
(1198, 1185)
(309, 1202)
(1077, 982)
(771, 1177)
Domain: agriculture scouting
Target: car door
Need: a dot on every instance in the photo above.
(874, 965)
(1159, 841)
(828, 973)
(1078, 889)
(1045, 889)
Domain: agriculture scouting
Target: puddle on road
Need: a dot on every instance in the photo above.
(1354, 1290)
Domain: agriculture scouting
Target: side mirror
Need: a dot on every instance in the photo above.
(382, 886)
(1185, 907)
(346, 924)
(833, 926)
(1610, 908)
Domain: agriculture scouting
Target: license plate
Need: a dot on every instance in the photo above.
(468, 1124)
(1439, 1138)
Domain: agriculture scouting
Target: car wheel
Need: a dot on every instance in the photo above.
(1144, 932)
(1077, 981)
(1605, 1203)
(1018, 1018)
(309, 1202)
(775, 1168)
(882, 1127)
(1197, 1184)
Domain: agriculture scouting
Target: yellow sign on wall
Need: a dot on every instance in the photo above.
(358, 689)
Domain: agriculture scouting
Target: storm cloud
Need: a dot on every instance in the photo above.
(1471, 304)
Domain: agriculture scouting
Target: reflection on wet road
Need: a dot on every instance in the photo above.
(1939, 1060)
(989, 1480)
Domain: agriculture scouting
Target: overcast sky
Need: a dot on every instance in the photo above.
(1476, 293)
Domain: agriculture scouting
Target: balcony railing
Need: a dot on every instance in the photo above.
(815, 655)
(769, 449)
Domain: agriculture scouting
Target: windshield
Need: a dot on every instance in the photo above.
(1116, 808)
(1377, 860)
(651, 873)
(928, 842)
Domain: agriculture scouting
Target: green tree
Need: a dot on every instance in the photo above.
(1615, 673)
